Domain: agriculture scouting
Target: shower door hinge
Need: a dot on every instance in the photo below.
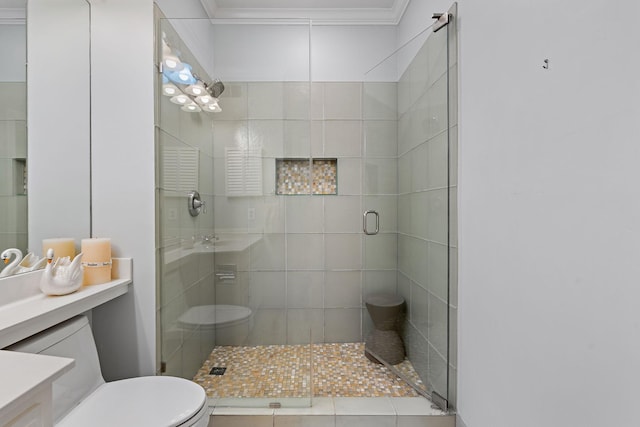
(440, 401)
(442, 19)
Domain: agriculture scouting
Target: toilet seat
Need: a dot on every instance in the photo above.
(142, 402)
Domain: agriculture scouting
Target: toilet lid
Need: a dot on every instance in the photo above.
(141, 402)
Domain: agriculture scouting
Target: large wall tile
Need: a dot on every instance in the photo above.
(267, 136)
(342, 325)
(380, 251)
(234, 102)
(343, 214)
(296, 100)
(343, 251)
(305, 326)
(349, 177)
(304, 214)
(342, 101)
(380, 100)
(269, 253)
(379, 282)
(343, 138)
(305, 252)
(305, 289)
(265, 100)
(271, 286)
(297, 138)
(380, 138)
(343, 289)
(380, 176)
(269, 327)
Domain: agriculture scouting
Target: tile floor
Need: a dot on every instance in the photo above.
(338, 412)
(284, 371)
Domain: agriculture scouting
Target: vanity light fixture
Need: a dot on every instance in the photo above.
(184, 87)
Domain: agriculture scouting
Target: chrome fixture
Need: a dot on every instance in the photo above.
(195, 203)
(209, 239)
(442, 19)
(364, 222)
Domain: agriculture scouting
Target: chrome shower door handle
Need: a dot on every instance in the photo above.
(364, 222)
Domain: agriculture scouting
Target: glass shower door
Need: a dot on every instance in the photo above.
(226, 313)
(409, 147)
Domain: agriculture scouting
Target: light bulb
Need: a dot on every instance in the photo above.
(206, 99)
(180, 99)
(169, 89)
(195, 89)
(212, 108)
(172, 63)
(191, 108)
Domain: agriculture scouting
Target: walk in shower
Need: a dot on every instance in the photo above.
(262, 283)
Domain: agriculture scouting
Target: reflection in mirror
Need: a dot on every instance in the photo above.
(58, 131)
(59, 115)
(13, 126)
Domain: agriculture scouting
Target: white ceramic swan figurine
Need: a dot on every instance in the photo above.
(63, 276)
(6, 256)
(31, 262)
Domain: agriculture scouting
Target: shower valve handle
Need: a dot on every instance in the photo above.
(195, 204)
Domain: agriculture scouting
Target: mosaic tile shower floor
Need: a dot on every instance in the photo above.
(339, 370)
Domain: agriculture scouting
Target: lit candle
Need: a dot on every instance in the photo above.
(62, 247)
(96, 259)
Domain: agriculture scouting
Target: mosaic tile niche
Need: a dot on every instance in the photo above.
(306, 176)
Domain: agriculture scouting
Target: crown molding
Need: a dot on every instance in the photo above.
(319, 16)
(13, 16)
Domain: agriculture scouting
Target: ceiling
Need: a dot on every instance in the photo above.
(12, 12)
(363, 12)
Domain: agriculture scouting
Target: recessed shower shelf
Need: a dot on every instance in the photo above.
(25, 311)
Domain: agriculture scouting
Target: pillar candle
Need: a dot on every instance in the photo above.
(96, 259)
(62, 247)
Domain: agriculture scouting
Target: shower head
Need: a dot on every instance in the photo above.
(216, 88)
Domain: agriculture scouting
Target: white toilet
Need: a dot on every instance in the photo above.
(232, 323)
(81, 397)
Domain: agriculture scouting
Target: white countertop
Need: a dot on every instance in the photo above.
(22, 373)
(24, 310)
(226, 243)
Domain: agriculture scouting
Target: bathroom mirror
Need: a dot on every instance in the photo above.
(44, 121)
(13, 125)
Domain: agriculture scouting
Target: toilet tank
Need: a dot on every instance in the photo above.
(73, 339)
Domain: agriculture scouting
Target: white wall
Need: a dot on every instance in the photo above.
(549, 228)
(347, 53)
(281, 52)
(123, 177)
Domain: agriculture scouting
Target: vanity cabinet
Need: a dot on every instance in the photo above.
(25, 395)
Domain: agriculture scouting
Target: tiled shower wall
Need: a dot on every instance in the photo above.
(13, 153)
(427, 210)
(306, 277)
